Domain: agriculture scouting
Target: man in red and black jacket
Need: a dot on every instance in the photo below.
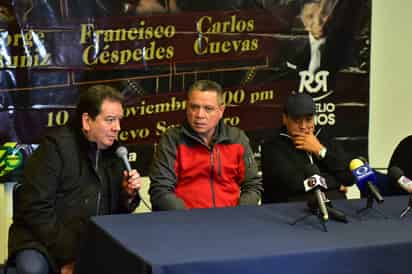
(204, 163)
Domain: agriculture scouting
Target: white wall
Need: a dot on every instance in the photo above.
(5, 217)
(391, 73)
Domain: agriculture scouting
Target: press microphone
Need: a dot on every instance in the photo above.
(315, 183)
(121, 152)
(365, 178)
(396, 174)
(334, 213)
(363, 159)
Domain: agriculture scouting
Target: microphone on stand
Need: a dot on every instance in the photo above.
(316, 183)
(365, 178)
(396, 174)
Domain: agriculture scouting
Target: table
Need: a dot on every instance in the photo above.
(250, 240)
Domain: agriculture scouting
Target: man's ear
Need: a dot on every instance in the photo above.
(222, 109)
(284, 119)
(85, 121)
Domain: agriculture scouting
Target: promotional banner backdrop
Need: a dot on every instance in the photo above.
(152, 51)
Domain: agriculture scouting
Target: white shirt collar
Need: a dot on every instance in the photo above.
(316, 43)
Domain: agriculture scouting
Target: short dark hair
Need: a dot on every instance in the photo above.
(91, 100)
(207, 85)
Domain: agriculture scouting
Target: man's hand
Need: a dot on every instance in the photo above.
(343, 188)
(67, 268)
(131, 182)
(307, 142)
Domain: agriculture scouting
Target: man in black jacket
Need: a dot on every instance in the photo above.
(74, 174)
(401, 158)
(297, 145)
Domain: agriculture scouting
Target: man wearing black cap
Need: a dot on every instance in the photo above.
(297, 145)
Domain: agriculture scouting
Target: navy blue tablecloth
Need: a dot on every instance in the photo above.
(251, 240)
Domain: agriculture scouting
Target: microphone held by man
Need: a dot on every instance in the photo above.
(130, 185)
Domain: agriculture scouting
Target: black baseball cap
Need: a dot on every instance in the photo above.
(300, 104)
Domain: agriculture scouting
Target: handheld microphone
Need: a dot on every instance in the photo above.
(396, 174)
(315, 183)
(121, 152)
(365, 178)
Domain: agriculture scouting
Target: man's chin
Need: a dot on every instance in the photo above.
(200, 131)
(300, 134)
(106, 144)
(318, 35)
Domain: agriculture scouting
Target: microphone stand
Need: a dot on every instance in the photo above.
(336, 214)
(408, 208)
(369, 206)
(313, 212)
